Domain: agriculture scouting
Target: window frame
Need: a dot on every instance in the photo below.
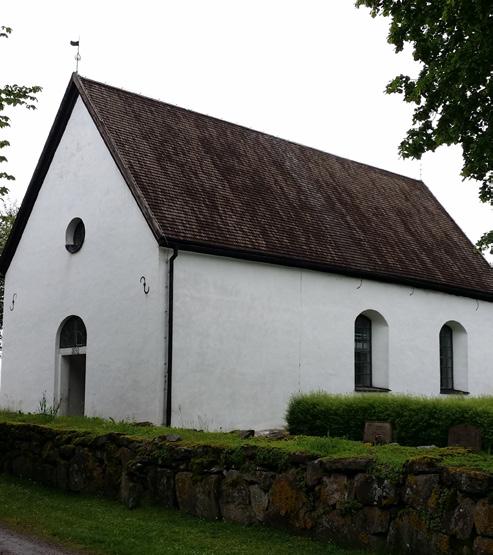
(446, 359)
(75, 330)
(75, 235)
(360, 377)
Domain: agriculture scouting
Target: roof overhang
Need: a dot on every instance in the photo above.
(413, 283)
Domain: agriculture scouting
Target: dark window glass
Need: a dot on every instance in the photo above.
(362, 352)
(446, 358)
(76, 234)
(73, 333)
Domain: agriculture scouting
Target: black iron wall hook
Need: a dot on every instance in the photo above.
(144, 284)
(12, 305)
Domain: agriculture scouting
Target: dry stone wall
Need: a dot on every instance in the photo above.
(428, 509)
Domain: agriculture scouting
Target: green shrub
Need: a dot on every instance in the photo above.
(415, 420)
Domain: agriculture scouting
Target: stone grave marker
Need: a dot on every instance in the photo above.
(377, 433)
(465, 435)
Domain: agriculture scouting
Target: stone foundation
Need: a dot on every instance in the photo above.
(428, 509)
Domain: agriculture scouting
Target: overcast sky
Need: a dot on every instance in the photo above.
(311, 71)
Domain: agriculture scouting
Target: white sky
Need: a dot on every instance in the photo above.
(311, 71)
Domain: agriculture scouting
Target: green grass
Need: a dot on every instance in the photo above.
(106, 527)
(388, 458)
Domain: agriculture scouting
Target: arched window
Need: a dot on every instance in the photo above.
(453, 358)
(362, 352)
(73, 333)
(446, 358)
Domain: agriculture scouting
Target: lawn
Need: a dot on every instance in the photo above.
(106, 527)
(387, 457)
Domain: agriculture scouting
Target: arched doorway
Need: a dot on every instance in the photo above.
(72, 343)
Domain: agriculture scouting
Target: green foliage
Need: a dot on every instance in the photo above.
(8, 213)
(107, 527)
(234, 457)
(46, 409)
(274, 459)
(486, 242)
(11, 96)
(415, 420)
(453, 93)
(388, 459)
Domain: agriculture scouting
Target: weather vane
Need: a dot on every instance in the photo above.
(77, 56)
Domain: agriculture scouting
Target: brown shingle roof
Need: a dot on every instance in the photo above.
(212, 184)
(209, 181)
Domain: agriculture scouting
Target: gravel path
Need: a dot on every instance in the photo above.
(13, 543)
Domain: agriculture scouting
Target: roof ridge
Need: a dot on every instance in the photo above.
(241, 126)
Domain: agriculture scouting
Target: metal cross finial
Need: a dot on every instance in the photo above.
(77, 56)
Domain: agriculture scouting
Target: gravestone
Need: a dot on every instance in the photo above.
(377, 433)
(465, 435)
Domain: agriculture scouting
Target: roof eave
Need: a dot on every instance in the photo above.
(244, 254)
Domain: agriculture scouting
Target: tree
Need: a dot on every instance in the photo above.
(8, 213)
(453, 93)
(10, 95)
(13, 95)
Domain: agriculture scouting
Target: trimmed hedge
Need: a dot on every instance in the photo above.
(415, 420)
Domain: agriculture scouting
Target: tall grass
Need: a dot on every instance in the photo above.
(415, 420)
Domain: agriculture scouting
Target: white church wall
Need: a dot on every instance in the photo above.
(248, 335)
(100, 283)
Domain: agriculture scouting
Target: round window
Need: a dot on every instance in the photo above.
(75, 234)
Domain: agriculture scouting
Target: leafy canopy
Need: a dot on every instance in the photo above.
(8, 213)
(13, 95)
(10, 96)
(453, 92)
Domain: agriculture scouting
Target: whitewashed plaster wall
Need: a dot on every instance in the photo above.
(100, 283)
(248, 335)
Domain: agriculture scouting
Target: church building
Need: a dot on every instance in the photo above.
(172, 267)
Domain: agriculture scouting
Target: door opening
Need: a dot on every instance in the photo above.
(70, 369)
(73, 385)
